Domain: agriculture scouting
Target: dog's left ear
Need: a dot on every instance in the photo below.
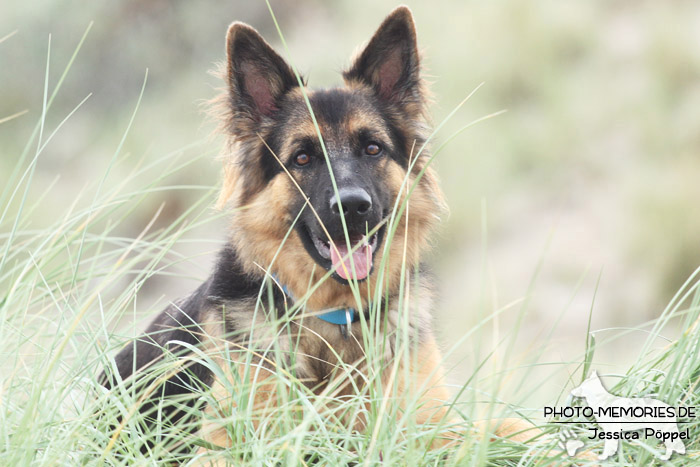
(390, 62)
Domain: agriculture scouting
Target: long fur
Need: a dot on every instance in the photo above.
(277, 207)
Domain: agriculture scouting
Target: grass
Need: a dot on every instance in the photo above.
(66, 283)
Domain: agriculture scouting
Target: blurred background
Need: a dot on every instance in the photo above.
(583, 196)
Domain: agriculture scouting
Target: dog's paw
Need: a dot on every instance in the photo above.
(569, 442)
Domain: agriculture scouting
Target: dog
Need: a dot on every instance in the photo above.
(324, 254)
(614, 427)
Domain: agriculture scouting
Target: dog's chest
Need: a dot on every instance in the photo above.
(316, 352)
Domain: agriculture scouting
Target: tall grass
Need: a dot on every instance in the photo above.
(66, 284)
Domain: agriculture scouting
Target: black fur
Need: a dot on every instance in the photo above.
(390, 62)
(257, 75)
(262, 105)
(165, 337)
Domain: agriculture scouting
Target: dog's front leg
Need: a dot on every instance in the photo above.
(219, 418)
(426, 378)
(609, 448)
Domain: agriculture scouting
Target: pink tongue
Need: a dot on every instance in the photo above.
(362, 258)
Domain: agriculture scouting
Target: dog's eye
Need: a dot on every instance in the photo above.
(373, 149)
(302, 159)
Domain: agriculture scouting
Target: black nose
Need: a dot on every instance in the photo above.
(355, 202)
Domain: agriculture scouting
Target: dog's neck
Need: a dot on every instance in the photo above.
(596, 394)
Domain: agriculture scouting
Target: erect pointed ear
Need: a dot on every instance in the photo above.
(390, 62)
(594, 374)
(257, 76)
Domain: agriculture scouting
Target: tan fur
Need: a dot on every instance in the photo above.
(423, 384)
(257, 231)
(260, 220)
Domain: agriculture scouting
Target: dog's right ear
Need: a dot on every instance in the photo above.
(257, 76)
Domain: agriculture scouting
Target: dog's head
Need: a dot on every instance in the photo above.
(336, 175)
(590, 386)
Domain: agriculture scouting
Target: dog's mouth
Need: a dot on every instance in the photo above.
(354, 263)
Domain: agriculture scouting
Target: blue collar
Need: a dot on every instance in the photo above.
(341, 316)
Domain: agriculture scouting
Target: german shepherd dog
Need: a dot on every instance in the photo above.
(324, 252)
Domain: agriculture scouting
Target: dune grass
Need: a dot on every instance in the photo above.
(67, 281)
